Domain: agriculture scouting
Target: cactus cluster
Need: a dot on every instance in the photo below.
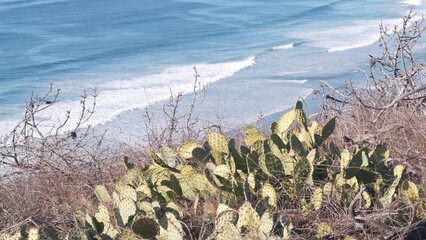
(252, 185)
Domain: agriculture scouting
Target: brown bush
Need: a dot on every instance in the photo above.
(391, 107)
(47, 172)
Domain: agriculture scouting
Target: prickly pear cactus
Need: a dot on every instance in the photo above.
(127, 209)
(251, 135)
(324, 230)
(77, 234)
(146, 227)
(33, 234)
(102, 194)
(386, 200)
(268, 192)
(266, 225)
(217, 142)
(185, 150)
(248, 218)
(126, 236)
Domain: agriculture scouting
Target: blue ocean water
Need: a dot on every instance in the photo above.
(259, 56)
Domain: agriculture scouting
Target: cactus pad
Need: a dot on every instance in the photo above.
(324, 230)
(284, 123)
(126, 236)
(386, 200)
(248, 219)
(146, 227)
(251, 135)
(102, 194)
(103, 215)
(316, 199)
(126, 191)
(185, 150)
(77, 234)
(217, 142)
(33, 234)
(266, 224)
(127, 209)
(410, 191)
(268, 192)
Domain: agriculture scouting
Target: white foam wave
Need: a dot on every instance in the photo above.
(412, 2)
(116, 97)
(284, 47)
(287, 73)
(11, 4)
(345, 37)
(281, 81)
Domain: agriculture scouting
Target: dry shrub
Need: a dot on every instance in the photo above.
(178, 120)
(47, 172)
(390, 109)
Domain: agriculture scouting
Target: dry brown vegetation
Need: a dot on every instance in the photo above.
(47, 173)
(390, 109)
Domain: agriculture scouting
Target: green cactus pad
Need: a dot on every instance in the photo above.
(147, 209)
(316, 199)
(169, 157)
(367, 198)
(315, 130)
(217, 142)
(146, 227)
(327, 130)
(303, 172)
(223, 171)
(185, 150)
(268, 192)
(297, 147)
(192, 183)
(77, 234)
(170, 227)
(248, 219)
(200, 154)
(126, 236)
(386, 200)
(300, 114)
(33, 234)
(175, 209)
(102, 194)
(324, 230)
(103, 215)
(127, 209)
(345, 158)
(410, 191)
(327, 189)
(266, 224)
(156, 159)
(218, 157)
(143, 191)
(132, 177)
(128, 164)
(225, 217)
(359, 160)
(284, 123)
(227, 231)
(126, 191)
(4, 236)
(251, 135)
(48, 233)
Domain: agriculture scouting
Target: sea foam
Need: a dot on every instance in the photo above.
(412, 2)
(119, 96)
(340, 38)
(284, 47)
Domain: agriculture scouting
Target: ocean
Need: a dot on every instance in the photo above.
(257, 57)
